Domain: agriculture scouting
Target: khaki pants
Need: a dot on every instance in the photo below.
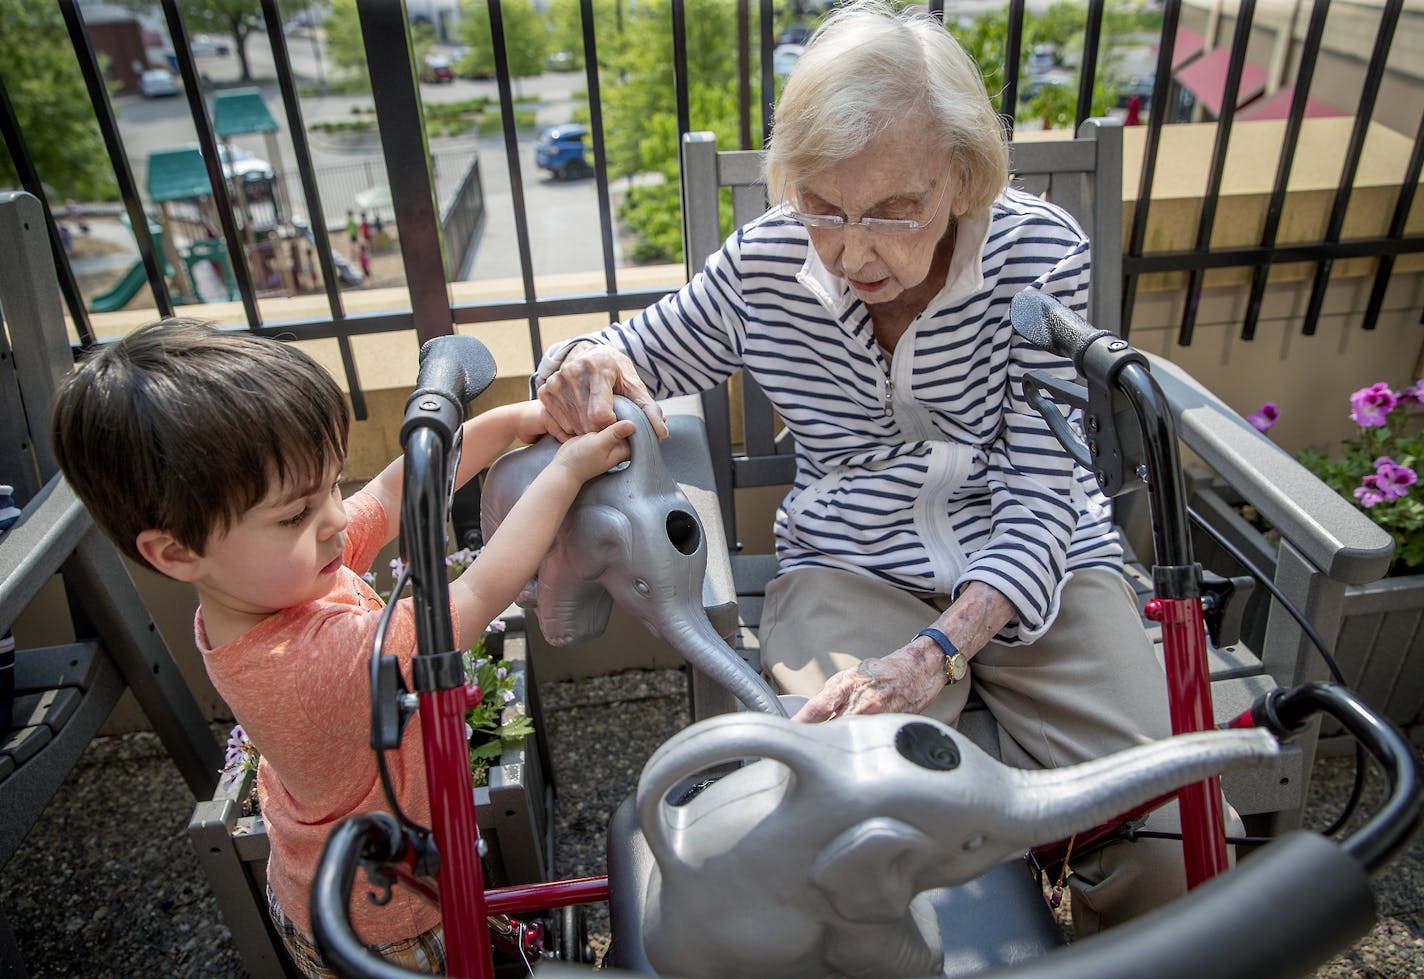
(1089, 686)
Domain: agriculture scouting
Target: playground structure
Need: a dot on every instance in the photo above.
(277, 245)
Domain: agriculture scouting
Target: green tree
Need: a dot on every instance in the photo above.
(51, 103)
(1064, 26)
(1057, 105)
(526, 38)
(640, 111)
(346, 46)
(566, 29)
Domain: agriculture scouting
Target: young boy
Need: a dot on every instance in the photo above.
(215, 457)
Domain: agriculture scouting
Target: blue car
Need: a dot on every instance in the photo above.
(560, 151)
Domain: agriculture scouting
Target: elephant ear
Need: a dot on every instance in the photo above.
(573, 604)
(597, 538)
(868, 872)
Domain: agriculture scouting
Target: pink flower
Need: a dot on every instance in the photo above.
(1394, 480)
(1414, 394)
(1264, 418)
(1368, 492)
(1370, 406)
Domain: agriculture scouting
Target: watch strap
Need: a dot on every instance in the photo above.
(956, 664)
(940, 640)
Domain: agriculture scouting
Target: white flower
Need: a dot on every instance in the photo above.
(236, 743)
(501, 673)
(498, 625)
(508, 695)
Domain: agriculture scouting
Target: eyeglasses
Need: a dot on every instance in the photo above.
(890, 227)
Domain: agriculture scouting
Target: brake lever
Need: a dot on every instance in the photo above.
(1114, 438)
(1064, 392)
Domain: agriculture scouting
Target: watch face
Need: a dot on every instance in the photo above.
(956, 667)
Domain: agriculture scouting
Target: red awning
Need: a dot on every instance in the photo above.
(1206, 79)
(1188, 45)
(1278, 107)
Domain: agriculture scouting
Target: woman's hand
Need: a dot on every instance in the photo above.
(586, 456)
(913, 675)
(904, 681)
(579, 396)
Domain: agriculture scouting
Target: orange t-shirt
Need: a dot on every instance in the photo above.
(299, 684)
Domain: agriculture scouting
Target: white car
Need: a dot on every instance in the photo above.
(207, 44)
(157, 82)
(255, 173)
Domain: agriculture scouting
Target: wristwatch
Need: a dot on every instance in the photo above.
(956, 664)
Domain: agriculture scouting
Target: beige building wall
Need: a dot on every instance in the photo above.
(1278, 35)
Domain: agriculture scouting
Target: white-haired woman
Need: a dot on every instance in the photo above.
(934, 520)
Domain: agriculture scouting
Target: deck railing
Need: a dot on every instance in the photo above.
(404, 147)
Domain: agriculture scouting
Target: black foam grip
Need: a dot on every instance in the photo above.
(457, 366)
(1045, 322)
(1280, 913)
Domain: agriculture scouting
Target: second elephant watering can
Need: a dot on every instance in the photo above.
(632, 537)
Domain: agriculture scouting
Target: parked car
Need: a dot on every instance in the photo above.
(207, 44)
(1037, 83)
(1139, 85)
(439, 69)
(784, 58)
(156, 83)
(794, 34)
(1042, 59)
(560, 150)
(255, 173)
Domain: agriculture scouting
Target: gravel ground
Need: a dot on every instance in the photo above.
(107, 884)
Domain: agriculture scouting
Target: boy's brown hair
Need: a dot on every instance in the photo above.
(182, 427)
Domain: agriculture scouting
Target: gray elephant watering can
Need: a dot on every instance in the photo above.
(814, 861)
(632, 537)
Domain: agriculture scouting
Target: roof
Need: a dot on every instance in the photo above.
(1188, 45)
(568, 130)
(177, 174)
(1278, 107)
(1206, 79)
(240, 111)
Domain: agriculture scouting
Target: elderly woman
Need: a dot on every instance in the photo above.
(937, 534)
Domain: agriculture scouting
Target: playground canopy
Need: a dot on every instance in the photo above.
(177, 174)
(241, 111)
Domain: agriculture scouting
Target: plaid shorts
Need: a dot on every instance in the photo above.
(424, 953)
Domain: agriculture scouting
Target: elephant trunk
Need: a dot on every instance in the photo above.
(692, 635)
(1056, 803)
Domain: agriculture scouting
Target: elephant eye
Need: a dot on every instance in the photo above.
(683, 531)
(641, 586)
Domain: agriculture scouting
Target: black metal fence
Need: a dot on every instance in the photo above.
(408, 171)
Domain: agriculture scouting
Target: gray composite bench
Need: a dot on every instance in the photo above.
(64, 693)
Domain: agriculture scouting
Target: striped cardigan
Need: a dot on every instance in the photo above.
(926, 469)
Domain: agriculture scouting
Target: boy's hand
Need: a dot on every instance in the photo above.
(586, 456)
(531, 421)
